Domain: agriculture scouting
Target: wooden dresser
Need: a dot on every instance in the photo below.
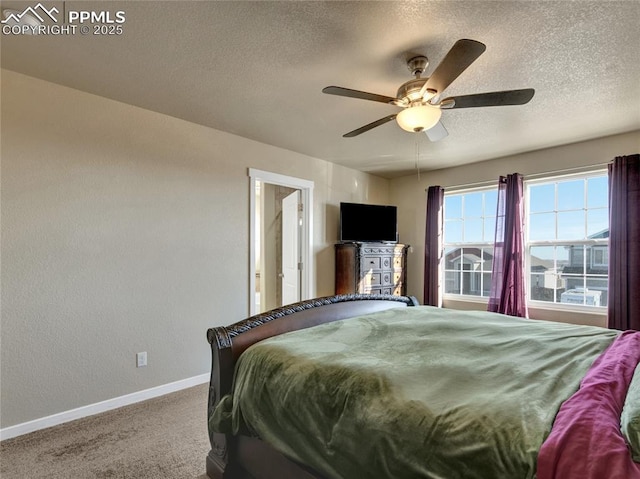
(371, 268)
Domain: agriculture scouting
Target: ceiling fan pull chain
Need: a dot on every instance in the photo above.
(417, 154)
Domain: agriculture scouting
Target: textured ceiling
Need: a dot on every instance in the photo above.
(256, 69)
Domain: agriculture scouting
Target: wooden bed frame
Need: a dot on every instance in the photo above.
(243, 457)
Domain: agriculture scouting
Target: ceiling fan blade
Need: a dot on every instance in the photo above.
(437, 132)
(463, 53)
(370, 126)
(496, 98)
(363, 95)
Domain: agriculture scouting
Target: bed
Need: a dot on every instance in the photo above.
(376, 386)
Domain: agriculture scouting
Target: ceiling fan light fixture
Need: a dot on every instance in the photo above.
(401, 102)
(421, 97)
(419, 118)
(429, 94)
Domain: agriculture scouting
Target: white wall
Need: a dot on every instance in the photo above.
(124, 230)
(409, 195)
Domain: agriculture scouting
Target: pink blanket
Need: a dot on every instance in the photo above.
(586, 441)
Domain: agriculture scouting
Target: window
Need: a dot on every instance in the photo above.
(568, 240)
(469, 230)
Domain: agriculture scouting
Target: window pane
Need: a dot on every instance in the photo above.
(452, 258)
(575, 259)
(473, 230)
(490, 202)
(542, 226)
(541, 258)
(573, 285)
(597, 285)
(574, 295)
(597, 192)
(453, 207)
(452, 231)
(539, 288)
(473, 205)
(546, 283)
(588, 291)
(562, 256)
(489, 229)
(598, 223)
(487, 254)
(571, 195)
(571, 225)
(452, 282)
(598, 259)
(486, 285)
(542, 198)
(469, 284)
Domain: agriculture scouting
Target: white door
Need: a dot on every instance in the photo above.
(290, 249)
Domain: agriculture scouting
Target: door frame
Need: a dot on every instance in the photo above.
(307, 283)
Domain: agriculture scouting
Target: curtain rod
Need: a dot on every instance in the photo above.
(479, 184)
(577, 169)
(534, 176)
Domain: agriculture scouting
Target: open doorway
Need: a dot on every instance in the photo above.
(281, 271)
(278, 225)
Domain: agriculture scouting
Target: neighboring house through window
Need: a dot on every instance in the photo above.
(568, 230)
(470, 222)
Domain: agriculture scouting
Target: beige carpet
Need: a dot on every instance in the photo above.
(165, 437)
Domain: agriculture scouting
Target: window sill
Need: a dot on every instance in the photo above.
(465, 298)
(541, 310)
(571, 308)
(568, 308)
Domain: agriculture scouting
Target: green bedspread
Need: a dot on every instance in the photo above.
(411, 392)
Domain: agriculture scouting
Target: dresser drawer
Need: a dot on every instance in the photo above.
(380, 263)
(371, 262)
(384, 290)
(372, 279)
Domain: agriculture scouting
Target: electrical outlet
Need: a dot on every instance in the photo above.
(141, 359)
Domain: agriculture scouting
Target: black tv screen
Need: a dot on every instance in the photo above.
(364, 223)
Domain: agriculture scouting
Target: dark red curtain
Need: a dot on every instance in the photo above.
(507, 294)
(432, 245)
(624, 243)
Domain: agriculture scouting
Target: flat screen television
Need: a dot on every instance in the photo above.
(368, 223)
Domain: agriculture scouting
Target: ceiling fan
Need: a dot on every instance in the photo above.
(421, 100)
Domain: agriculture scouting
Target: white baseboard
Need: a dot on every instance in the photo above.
(102, 406)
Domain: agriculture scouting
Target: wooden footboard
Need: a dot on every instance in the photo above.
(243, 457)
